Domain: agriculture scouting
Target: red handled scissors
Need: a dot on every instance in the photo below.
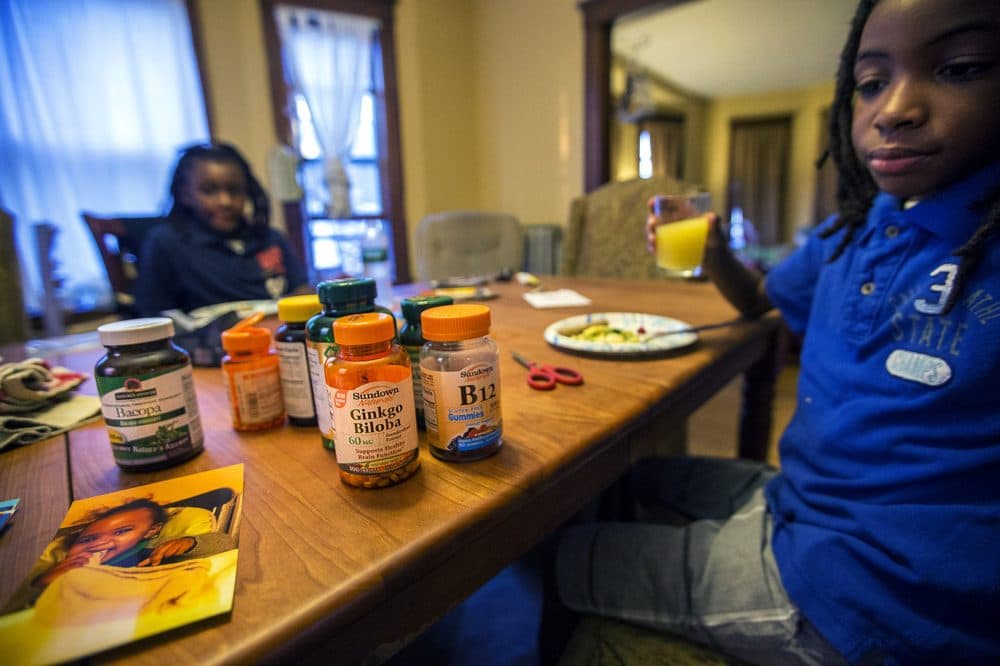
(545, 377)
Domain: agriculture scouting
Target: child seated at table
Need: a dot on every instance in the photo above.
(208, 250)
(877, 542)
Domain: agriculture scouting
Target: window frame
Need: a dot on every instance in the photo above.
(386, 98)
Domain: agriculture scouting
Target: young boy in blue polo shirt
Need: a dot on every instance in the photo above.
(208, 251)
(879, 539)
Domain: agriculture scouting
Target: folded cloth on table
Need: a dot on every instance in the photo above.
(64, 415)
(32, 384)
(35, 401)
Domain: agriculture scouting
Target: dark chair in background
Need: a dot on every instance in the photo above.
(13, 322)
(119, 240)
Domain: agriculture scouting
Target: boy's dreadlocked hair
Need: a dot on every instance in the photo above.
(855, 188)
(219, 152)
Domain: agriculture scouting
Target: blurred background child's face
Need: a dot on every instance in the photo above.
(115, 534)
(928, 90)
(216, 192)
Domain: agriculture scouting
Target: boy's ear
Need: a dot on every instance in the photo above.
(153, 531)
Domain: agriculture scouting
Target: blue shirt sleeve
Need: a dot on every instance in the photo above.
(791, 285)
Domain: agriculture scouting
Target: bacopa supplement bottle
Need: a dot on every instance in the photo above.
(371, 396)
(411, 337)
(147, 395)
(338, 298)
(460, 370)
(290, 343)
(253, 380)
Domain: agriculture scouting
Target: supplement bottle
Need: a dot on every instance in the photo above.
(290, 343)
(411, 336)
(147, 395)
(338, 298)
(253, 379)
(371, 394)
(460, 370)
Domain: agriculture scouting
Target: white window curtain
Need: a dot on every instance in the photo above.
(96, 96)
(327, 60)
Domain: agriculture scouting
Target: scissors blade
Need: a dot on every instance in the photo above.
(523, 361)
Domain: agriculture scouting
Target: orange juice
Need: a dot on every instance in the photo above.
(681, 244)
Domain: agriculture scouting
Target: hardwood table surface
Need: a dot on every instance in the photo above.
(349, 575)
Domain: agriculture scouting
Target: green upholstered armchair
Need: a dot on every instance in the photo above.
(606, 232)
(465, 243)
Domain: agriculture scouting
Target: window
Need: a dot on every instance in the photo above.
(332, 68)
(645, 155)
(361, 162)
(97, 96)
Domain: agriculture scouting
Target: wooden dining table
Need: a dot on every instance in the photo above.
(350, 575)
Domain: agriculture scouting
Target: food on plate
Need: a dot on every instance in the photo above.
(601, 331)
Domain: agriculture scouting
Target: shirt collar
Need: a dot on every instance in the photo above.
(205, 237)
(950, 213)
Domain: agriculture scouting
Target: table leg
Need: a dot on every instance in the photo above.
(758, 398)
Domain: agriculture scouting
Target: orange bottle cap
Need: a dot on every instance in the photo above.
(245, 337)
(364, 329)
(455, 322)
(253, 339)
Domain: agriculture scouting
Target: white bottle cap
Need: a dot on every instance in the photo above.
(135, 331)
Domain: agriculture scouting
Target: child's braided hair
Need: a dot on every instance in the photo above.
(856, 190)
(228, 154)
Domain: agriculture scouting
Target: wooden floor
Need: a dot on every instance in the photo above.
(712, 429)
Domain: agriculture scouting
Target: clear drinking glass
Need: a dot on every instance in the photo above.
(681, 231)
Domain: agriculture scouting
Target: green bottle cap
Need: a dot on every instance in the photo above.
(345, 291)
(413, 306)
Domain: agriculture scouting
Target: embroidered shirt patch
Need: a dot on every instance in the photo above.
(916, 367)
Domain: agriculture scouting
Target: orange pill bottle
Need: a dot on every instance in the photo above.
(371, 399)
(251, 370)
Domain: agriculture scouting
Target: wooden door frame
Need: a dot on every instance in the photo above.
(598, 18)
(390, 144)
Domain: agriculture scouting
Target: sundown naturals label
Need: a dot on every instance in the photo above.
(375, 425)
(462, 409)
(151, 418)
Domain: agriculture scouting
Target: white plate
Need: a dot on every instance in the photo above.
(630, 321)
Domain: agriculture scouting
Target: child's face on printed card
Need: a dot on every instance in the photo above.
(115, 534)
(928, 86)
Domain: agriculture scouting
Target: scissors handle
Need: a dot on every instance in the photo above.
(540, 380)
(563, 375)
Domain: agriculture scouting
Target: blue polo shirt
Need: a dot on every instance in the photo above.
(196, 267)
(887, 511)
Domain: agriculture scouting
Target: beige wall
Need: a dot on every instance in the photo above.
(529, 83)
(490, 93)
(804, 106)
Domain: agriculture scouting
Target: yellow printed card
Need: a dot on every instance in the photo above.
(127, 565)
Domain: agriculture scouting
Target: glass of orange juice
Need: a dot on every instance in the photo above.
(681, 231)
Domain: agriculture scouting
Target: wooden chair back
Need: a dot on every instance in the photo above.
(119, 240)
(13, 320)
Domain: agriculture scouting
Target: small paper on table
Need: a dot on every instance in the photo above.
(557, 298)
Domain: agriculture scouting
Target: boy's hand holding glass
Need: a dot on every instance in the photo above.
(677, 228)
